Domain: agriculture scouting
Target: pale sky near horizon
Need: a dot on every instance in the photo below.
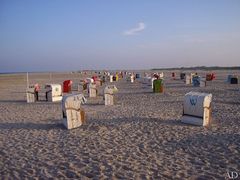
(61, 35)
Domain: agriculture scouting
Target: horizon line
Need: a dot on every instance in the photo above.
(167, 68)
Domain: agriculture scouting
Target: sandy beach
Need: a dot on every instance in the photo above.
(140, 137)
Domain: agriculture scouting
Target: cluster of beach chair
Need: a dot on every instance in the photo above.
(155, 80)
(53, 92)
(73, 113)
(196, 106)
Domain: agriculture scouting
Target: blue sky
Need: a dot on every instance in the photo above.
(61, 35)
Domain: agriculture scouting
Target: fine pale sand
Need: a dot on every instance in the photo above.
(138, 138)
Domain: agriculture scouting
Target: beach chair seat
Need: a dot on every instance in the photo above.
(182, 76)
(132, 78)
(188, 79)
(152, 80)
(31, 97)
(67, 86)
(203, 82)
(109, 92)
(196, 80)
(197, 108)
(234, 80)
(73, 113)
(158, 86)
(111, 78)
(137, 76)
(92, 90)
(53, 92)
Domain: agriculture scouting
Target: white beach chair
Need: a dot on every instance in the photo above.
(188, 79)
(53, 92)
(152, 79)
(73, 113)
(109, 94)
(31, 94)
(161, 75)
(132, 78)
(89, 80)
(111, 78)
(203, 82)
(197, 109)
(92, 90)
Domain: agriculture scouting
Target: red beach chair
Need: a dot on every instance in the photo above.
(67, 86)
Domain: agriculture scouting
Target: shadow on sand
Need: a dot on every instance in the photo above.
(135, 120)
(31, 126)
(13, 101)
(56, 124)
(93, 104)
(227, 102)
